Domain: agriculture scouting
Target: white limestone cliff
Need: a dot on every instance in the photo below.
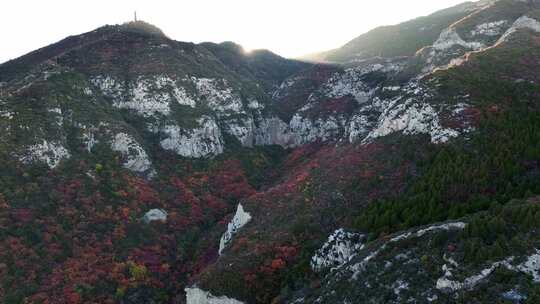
(240, 219)
(494, 28)
(49, 152)
(196, 295)
(218, 94)
(523, 22)
(135, 158)
(449, 38)
(272, 131)
(155, 215)
(203, 141)
(337, 250)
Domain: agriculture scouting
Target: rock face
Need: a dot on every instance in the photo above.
(135, 158)
(523, 22)
(414, 117)
(50, 153)
(195, 295)
(338, 249)
(147, 96)
(272, 130)
(450, 38)
(494, 28)
(203, 141)
(155, 215)
(240, 219)
(530, 266)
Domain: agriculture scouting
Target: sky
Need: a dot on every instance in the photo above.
(291, 28)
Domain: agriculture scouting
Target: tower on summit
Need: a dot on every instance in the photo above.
(135, 16)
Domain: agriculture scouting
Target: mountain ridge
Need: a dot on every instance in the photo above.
(408, 30)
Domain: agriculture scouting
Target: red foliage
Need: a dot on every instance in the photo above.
(94, 236)
(229, 181)
(69, 190)
(300, 155)
(3, 203)
(141, 190)
(494, 109)
(207, 257)
(214, 203)
(71, 296)
(22, 215)
(277, 264)
(185, 198)
(288, 253)
(185, 195)
(152, 257)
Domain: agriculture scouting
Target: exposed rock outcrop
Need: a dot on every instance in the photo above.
(196, 295)
(240, 219)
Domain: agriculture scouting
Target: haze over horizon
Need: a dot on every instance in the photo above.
(288, 29)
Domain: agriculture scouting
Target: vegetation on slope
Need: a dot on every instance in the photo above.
(498, 163)
(399, 40)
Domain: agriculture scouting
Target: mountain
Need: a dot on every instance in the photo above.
(455, 100)
(406, 38)
(139, 169)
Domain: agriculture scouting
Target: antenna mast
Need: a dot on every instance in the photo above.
(135, 16)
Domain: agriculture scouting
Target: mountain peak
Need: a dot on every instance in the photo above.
(143, 27)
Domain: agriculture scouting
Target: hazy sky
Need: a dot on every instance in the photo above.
(288, 27)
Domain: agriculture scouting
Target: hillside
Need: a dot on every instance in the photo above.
(486, 104)
(406, 38)
(140, 169)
